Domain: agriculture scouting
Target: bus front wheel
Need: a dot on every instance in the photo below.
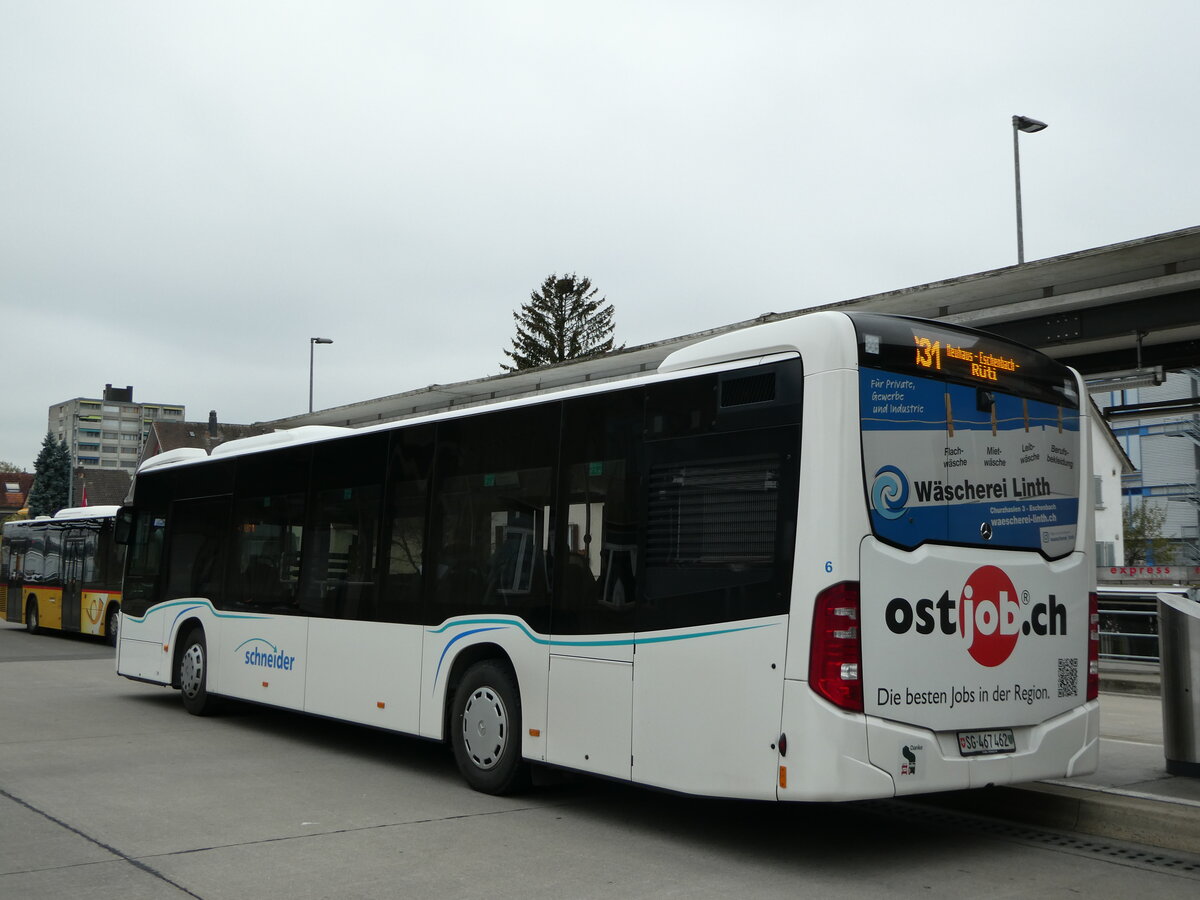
(31, 616)
(485, 729)
(193, 674)
(112, 624)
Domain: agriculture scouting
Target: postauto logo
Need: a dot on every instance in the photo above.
(988, 615)
(889, 492)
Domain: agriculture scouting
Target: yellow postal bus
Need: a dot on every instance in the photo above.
(64, 572)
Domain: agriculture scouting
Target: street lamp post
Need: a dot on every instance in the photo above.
(1029, 126)
(312, 343)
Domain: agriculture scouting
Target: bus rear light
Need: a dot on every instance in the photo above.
(835, 652)
(1093, 656)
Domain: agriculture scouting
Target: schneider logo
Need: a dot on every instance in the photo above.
(988, 616)
(889, 492)
(271, 658)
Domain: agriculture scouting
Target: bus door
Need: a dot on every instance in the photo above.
(590, 700)
(74, 548)
(16, 579)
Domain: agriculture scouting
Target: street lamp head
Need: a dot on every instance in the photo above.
(1027, 125)
(312, 346)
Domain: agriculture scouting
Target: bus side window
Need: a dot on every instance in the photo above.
(14, 556)
(720, 525)
(339, 572)
(35, 558)
(264, 566)
(268, 531)
(721, 486)
(196, 563)
(93, 562)
(52, 561)
(493, 508)
(403, 556)
(601, 448)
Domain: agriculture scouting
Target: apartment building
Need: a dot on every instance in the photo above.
(108, 432)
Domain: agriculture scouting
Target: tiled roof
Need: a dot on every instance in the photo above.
(105, 487)
(11, 501)
(203, 435)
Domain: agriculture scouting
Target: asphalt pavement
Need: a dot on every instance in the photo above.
(110, 791)
(1130, 797)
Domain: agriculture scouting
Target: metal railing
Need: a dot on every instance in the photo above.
(1129, 625)
(1129, 634)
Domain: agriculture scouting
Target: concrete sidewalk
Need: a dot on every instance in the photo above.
(1130, 797)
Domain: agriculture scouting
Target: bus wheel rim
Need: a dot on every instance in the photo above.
(485, 727)
(191, 671)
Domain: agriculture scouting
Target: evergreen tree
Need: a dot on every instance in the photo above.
(51, 478)
(563, 320)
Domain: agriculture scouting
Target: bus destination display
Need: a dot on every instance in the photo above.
(946, 353)
(960, 361)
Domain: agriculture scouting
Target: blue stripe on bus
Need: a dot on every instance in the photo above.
(193, 604)
(495, 625)
(499, 624)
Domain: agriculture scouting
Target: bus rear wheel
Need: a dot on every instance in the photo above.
(193, 674)
(485, 729)
(31, 616)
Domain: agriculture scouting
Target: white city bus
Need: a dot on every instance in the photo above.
(832, 557)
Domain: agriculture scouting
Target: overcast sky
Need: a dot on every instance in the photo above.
(190, 191)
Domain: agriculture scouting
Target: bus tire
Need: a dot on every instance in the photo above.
(193, 673)
(112, 624)
(31, 616)
(485, 729)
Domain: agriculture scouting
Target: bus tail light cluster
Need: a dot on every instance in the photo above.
(1093, 657)
(835, 655)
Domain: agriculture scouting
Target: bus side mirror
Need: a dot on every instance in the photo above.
(123, 526)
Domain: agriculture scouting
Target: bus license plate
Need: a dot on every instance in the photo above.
(995, 740)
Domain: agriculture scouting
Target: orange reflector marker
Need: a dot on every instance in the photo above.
(783, 776)
(381, 704)
(166, 647)
(535, 732)
(265, 684)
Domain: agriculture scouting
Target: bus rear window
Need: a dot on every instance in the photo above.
(967, 439)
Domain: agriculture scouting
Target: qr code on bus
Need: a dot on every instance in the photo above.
(1068, 677)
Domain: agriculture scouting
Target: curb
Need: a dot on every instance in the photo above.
(1117, 684)
(1163, 823)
